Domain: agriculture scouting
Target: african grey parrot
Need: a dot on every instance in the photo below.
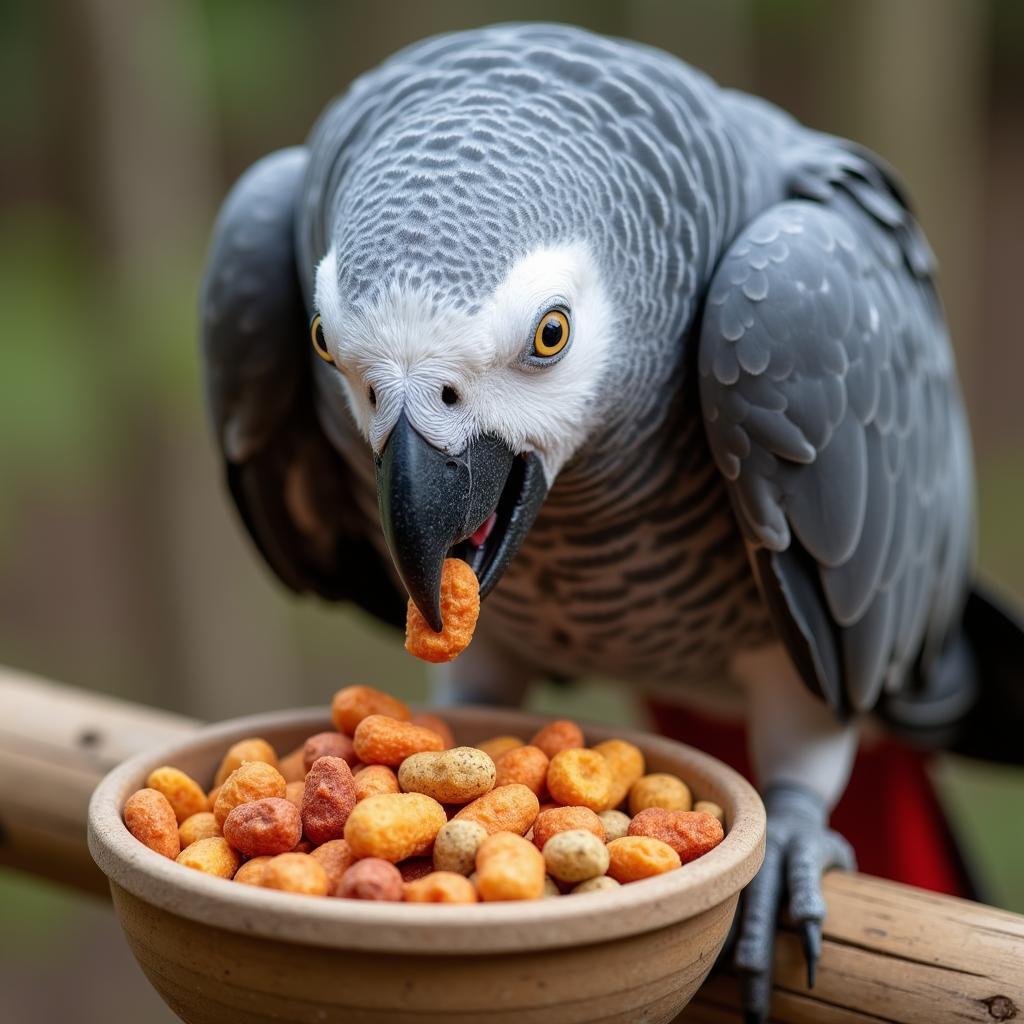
(668, 369)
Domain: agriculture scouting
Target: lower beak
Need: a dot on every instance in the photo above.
(429, 501)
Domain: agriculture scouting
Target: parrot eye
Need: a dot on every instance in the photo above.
(316, 334)
(552, 334)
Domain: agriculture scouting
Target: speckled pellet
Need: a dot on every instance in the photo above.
(456, 845)
(575, 856)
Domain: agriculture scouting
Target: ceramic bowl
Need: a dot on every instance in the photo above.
(220, 953)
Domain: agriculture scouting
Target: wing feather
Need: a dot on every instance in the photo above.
(832, 409)
(293, 491)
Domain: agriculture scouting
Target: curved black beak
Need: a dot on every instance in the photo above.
(430, 502)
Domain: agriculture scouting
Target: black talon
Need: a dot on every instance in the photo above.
(757, 997)
(810, 938)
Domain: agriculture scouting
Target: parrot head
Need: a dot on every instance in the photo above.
(467, 326)
(471, 409)
(476, 285)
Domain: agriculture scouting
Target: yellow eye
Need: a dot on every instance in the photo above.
(552, 334)
(316, 334)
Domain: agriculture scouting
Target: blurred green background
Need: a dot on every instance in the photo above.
(122, 567)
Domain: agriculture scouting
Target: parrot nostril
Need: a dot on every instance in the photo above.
(449, 395)
(372, 395)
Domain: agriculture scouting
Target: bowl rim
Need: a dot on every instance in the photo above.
(425, 928)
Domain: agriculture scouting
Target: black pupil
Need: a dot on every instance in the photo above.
(320, 337)
(552, 333)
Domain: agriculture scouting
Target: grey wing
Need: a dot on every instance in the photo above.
(292, 489)
(831, 405)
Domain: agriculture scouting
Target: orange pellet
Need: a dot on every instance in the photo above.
(149, 817)
(382, 740)
(528, 765)
(511, 808)
(710, 807)
(251, 872)
(558, 736)
(659, 789)
(328, 744)
(626, 762)
(690, 833)
(354, 703)
(374, 779)
(440, 887)
(335, 857)
(498, 745)
(293, 765)
(198, 826)
(254, 780)
(252, 749)
(183, 793)
(296, 872)
(636, 857)
(565, 819)
(509, 867)
(580, 778)
(460, 608)
(435, 724)
(212, 856)
(293, 791)
(394, 826)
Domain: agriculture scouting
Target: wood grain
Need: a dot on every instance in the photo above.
(56, 743)
(891, 954)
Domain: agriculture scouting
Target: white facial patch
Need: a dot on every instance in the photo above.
(408, 350)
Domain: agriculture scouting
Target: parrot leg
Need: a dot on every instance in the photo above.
(802, 756)
(482, 674)
(800, 848)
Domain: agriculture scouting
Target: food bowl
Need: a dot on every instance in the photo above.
(219, 952)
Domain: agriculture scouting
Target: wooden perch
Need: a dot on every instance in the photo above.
(56, 743)
(891, 955)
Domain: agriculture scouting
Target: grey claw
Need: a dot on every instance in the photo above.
(757, 997)
(755, 944)
(800, 847)
(810, 939)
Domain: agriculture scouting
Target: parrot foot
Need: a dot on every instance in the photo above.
(800, 848)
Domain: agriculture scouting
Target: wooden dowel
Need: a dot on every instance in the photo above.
(891, 954)
(56, 743)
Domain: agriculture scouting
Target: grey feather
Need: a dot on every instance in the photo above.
(250, 302)
(292, 489)
(860, 364)
(827, 397)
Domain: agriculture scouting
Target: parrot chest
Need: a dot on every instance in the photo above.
(635, 568)
(650, 583)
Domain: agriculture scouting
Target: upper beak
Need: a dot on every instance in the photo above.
(430, 500)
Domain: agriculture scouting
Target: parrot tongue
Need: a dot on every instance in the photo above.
(483, 531)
